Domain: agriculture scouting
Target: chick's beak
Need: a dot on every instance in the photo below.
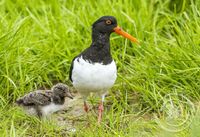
(69, 95)
(119, 31)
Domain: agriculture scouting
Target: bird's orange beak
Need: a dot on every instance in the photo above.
(119, 31)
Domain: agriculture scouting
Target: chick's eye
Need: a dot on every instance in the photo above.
(108, 22)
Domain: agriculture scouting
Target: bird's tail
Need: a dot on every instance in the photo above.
(19, 101)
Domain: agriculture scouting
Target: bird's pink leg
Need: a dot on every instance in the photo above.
(100, 109)
(86, 108)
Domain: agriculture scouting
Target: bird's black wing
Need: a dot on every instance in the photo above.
(72, 63)
(39, 97)
(71, 68)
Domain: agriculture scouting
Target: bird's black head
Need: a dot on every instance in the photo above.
(61, 90)
(105, 24)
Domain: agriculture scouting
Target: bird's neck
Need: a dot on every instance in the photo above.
(58, 100)
(99, 51)
(101, 40)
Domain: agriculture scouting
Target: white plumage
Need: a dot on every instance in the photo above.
(45, 110)
(93, 77)
(51, 108)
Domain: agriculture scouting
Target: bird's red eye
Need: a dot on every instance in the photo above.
(108, 22)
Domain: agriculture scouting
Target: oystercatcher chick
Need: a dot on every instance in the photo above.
(94, 70)
(45, 102)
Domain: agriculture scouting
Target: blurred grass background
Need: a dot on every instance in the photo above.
(38, 40)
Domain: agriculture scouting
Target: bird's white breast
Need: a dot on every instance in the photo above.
(88, 77)
(51, 108)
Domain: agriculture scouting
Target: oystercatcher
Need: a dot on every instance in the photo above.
(94, 70)
(45, 102)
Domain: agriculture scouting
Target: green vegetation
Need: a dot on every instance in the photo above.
(158, 86)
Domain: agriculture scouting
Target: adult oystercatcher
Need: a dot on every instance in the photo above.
(44, 102)
(94, 70)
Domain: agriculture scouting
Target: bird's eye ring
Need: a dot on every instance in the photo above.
(108, 22)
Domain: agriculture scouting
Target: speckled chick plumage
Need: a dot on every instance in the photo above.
(45, 102)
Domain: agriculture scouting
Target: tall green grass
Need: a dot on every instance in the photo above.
(38, 40)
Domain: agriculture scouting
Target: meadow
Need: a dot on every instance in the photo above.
(157, 91)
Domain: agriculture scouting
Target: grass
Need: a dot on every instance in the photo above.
(158, 86)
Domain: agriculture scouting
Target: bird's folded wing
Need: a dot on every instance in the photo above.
(39, 97)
